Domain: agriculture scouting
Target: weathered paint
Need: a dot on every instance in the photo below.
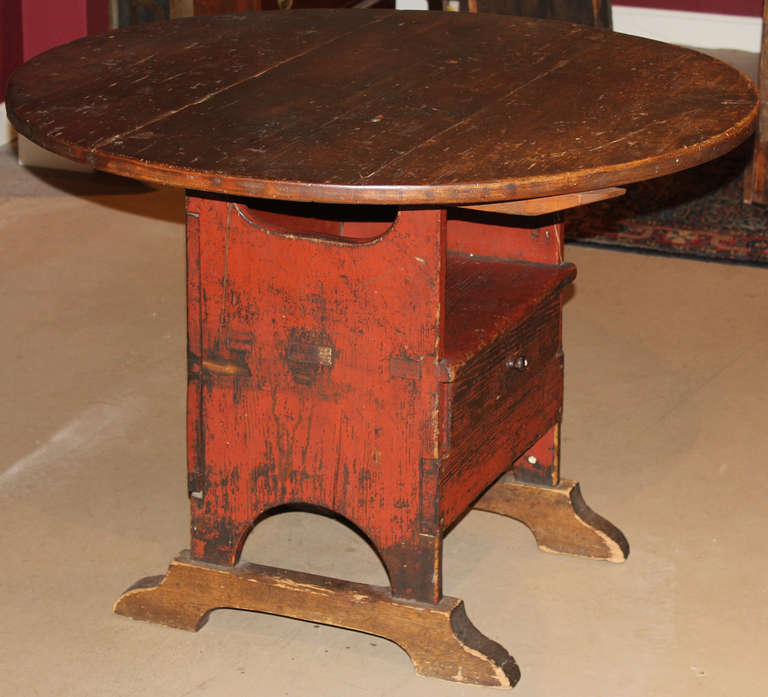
(317, 400)
(376, 368)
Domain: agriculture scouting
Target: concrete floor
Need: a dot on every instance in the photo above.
(666, 396)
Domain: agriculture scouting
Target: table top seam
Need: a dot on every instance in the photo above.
(167, 114)
(486, 107)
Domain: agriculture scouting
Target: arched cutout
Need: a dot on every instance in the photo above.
(352, 224)
(312, 539)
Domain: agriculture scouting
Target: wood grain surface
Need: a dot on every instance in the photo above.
(349, 106)
(439, 638)
(558, 517)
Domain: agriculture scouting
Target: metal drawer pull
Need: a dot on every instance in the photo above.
(518, 363)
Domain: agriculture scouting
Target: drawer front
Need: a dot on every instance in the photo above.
(492, 382)
(503, 400)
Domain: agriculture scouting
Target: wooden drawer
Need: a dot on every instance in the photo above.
(495, 411)
(488, 386)
(503, 373)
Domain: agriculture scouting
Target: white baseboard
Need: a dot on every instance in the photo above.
(32, 155)
(7, 134)
(698, 29)
(411, 4)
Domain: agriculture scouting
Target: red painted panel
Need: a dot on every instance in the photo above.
(496, 236)
(313, 377)
(751, 8)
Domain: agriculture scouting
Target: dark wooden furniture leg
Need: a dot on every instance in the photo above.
(213, 7)
(313, 343)
(756, 174)
(594, 13)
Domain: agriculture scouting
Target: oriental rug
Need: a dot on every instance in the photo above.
(696, 213)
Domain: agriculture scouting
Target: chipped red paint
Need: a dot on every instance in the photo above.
(537, 240)
(366, 364)
(319, 418)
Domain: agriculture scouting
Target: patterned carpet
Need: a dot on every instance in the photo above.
(696, 213)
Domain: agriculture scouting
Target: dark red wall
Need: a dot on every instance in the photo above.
(10, 40)
(726, 7)
(47, 24)
(97, 16)
(28, 27)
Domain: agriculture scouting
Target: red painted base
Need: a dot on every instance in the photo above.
(384, 365)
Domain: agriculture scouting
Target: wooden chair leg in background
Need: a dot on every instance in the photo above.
(594, 13)
(213, 7)
(756, 174)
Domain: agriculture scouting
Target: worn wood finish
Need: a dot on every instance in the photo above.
(288, 349)
(491, 299)
(558, 517)
(504, 370)
(381, 107)
(385, 364)
(519, 239)
(389, 383)
(548, 204)
(553, 508)
(439, 638)
(479, 452)
(756, 176)
(281, 363)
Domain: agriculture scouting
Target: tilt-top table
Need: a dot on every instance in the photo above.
(375, 275)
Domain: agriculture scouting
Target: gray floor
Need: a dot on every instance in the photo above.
(667, 382)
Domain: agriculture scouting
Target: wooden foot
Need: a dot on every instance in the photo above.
(440, 639)
(558, 517)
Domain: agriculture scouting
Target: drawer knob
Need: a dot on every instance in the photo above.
(518, 363)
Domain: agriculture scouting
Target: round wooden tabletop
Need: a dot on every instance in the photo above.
(368, 106)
